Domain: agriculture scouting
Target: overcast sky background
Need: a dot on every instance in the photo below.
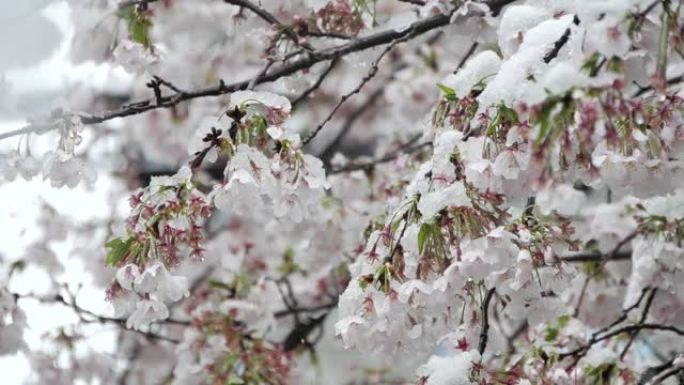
(34, 41)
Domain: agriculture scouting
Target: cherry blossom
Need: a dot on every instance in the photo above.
(360, 192)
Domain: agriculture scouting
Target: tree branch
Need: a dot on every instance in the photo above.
(286, 69)
(467, 56)
(484, 329)
(309, 58)
(415, 2)
(596, 257)
(327, 153)
(84, 315)
(316, 85)
(269, 18)
(371, 74)
(560, 43)
(672, 372)
(653, 371)
(644, 314)
(406, 148)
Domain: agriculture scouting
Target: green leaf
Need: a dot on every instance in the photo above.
(138, 25)
(117, 250)
(508, 114)
(551, 334)
(423, 235)
(17, 266)
(449, 92)
(615, 64)
(328, 202)
(216, 284)
(289, 266)
(599, 375)
(315, 362)
(591, 65)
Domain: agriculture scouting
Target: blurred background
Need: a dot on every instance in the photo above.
(35, 77)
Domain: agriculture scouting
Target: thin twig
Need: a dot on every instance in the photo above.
(644, 315)
(558, 44)
(670, 82)
(309, 309)
(327, 153)
(596, 257)
(371, 74)
(316, 85)
(415, 2)
(270, 19)
(625, 312)
(580, 351)
(484, 329)
(407, 148)
(88, 316)
(601, 266)
(467, 56)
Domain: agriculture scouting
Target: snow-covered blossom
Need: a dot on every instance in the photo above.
(478, 70)
(135, 57)
(13, 165)
(290, 185)
(449, 370)
(274, 108)
(146, 312)
(155, 282)
(563, 199)
(154, 244)
(62, 169)
(164, 224)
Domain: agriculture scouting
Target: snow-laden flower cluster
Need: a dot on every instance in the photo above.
(164, 228)
(155, 286)
(62, 167)
(266, 170)
(226, 341)
(657, 255)
(500, 202)
(291, 185)
(442, 246)
(458, 369)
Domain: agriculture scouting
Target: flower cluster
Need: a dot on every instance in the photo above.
(288, 184)
(223, 346)
(62, 167)
(163, 229)
(339, 17)
(448, 240)
(492, 210)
